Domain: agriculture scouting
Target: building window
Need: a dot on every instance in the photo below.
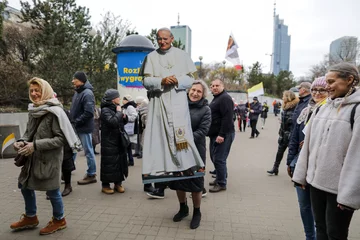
(6, 15)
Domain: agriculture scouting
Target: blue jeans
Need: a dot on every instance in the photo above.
(219, 154)
(55, 199)
(306, 212)
(130, 155)
(86, 142)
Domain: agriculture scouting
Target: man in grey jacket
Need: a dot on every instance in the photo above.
(82, 118)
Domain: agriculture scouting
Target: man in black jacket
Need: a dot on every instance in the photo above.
(82, 118)
(221, 132)
(255, 110)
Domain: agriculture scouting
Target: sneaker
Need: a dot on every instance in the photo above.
(25, 223)
(195, 221)
(107, 190)
(217, 188)
(119, 188)
(156, 194)
(213, 183)
(183, 212)
(148, 188)
(87, 180)
(53, 226)
(204, 193)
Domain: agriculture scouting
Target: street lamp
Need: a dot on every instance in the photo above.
(200, 58)
(224, 62)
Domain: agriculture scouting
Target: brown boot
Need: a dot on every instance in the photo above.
(67, 190)
(53, 226)
(87, 180)
(107, 190)
(119, 188)
(25, 223)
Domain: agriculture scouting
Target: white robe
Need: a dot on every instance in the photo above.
(168, 110)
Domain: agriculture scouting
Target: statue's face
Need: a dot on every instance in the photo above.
(164, 39)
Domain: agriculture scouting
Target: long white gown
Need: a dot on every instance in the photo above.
(168, 119)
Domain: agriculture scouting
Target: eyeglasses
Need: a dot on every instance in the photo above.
(320, 91)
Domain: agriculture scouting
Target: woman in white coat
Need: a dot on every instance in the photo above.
(330, 160)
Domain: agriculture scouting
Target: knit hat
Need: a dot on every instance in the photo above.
(321, 82)
(128, 97)
(81, 76)
(255, 98)
(111, 94)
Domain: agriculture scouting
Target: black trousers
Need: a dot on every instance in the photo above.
(242, 122)
(253, 127)
(331, 222)
(280, 154)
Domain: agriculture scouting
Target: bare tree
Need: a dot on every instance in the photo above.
(347, 51)
(320, 69)
(114, 24)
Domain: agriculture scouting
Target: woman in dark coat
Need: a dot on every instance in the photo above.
(114, 167)
(200, 114)
(290, 101)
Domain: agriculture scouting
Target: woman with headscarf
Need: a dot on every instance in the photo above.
(114, 168)
(319, 95)
(329, 161)
(286, 125)
(47, 130)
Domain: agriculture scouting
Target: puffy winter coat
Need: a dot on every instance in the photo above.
(82, 109)
(287, 122)
(200, 115)
(113, 167)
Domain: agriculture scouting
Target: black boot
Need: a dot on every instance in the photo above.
(274, 170)
(183, 212)
(195, 221)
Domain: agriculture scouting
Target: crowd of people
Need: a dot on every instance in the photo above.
(320, 127)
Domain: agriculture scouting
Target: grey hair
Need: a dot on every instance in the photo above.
(165, 29)
(204, 86)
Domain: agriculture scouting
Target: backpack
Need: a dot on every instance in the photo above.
(352, 116)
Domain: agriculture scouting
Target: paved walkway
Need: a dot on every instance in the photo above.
(255, 205)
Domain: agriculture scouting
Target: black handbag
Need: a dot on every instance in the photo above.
(20, 160)
(124, 139)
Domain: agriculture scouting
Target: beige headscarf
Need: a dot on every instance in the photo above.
(46, 90)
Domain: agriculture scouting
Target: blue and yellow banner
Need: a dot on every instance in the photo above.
(129, 64)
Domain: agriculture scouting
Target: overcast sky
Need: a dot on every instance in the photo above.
(313, 24)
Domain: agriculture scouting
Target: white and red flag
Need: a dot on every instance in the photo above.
(232, 53)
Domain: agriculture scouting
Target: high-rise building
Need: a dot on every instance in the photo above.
(343, 49)
(280, 59)
(182, 33)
